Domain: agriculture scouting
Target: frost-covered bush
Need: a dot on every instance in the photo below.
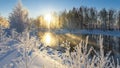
(2, 34)
(4, 24)
(81, 57)
(26, 46)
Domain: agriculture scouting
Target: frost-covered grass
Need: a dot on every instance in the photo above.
(25, 51)
(81, 57)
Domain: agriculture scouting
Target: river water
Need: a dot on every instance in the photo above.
(55, 38)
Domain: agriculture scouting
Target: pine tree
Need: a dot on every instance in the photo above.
(19, 18)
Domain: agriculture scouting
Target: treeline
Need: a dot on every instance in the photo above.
(76, 18)
(90, 18)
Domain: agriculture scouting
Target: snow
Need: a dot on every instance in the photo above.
(45, 61)
(7, 58)
(41, 60)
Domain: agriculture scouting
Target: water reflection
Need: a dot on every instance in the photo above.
(49, 39)
(52, 39)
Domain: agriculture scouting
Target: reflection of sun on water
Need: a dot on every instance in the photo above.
(49, 39)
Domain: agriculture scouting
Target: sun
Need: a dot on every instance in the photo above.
(48, 18)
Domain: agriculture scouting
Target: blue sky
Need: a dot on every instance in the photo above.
(38, 7)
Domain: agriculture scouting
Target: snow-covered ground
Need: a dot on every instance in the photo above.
(40, 59)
